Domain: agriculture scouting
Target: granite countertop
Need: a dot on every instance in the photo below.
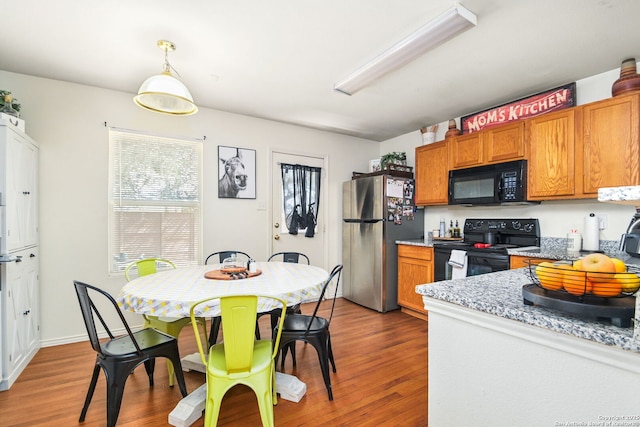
(552, 248)
(500, 294)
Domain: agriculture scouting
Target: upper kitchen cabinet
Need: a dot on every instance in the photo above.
(19, 189)
(551, 142)
(432, 174)
(611, 138)
(504, 143)
(500, 144)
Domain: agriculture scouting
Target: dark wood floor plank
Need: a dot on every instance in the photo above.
(381, 380)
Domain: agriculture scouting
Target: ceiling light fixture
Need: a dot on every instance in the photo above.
(450, 23)
(164, 93)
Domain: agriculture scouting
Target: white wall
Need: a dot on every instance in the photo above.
(556, 218)
(68, 122)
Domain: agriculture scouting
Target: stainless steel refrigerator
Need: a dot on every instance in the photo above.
(376, 211)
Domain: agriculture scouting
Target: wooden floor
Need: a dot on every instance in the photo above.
(381, 361)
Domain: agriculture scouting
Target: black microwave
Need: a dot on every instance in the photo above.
(496, 184)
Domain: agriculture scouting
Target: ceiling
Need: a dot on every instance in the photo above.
(279, 59)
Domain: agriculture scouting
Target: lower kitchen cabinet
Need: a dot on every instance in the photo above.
(19, 319)
(517, 261)
(415, 267)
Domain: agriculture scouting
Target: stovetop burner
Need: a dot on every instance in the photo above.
(501, 234)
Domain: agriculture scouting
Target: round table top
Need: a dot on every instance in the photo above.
(170, 293)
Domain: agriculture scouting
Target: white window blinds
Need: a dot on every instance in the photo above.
(155, 199)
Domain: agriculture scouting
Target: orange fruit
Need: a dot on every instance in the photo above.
(549, 276)
(607, 288)
(620, 265)
(575, 282)
(577, 264)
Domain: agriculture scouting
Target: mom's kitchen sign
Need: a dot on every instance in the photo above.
(543, 102)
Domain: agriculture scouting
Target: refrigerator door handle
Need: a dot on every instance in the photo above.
(366, 221)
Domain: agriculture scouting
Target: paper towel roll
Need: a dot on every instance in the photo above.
(591, 239)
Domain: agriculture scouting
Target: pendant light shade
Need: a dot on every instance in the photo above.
(163, 93)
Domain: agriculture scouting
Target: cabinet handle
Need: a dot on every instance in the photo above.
(26, 192)
(19, 258)
(32, 255)
(26, 312)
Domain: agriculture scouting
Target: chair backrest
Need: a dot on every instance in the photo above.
(290, 257)
(146, 266)
(335, 274)
(90, 313)
(222, 255)
(239, 313)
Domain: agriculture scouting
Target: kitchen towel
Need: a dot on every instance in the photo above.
(458, 262)
(591, 239)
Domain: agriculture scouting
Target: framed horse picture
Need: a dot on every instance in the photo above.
(236, 173)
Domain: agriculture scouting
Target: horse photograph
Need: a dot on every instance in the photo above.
(236, 173)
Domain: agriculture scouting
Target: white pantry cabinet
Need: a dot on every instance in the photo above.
(19, 239)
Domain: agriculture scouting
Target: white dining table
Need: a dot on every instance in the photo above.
(171, 293)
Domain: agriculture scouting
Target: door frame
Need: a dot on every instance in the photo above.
(324, 206)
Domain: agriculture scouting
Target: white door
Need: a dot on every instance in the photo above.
(281, 240)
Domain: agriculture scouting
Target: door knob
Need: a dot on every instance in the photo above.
(276, 236)
(276, 225)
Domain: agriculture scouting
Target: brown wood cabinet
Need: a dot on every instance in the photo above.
(505, 143)
(571, 153)
(466, 150)
(432, 174)
(611, 144)
(415, 267)
(500, 144)
(518, 261)
(551, 141)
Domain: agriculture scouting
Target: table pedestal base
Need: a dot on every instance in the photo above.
(190, 408)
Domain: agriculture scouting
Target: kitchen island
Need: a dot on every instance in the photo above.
(494, 361)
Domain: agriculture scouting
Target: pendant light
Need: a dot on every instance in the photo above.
(164, 93)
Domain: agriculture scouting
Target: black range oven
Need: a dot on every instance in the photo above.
(486, 242)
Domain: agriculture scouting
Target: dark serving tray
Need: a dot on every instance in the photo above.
(619, 310)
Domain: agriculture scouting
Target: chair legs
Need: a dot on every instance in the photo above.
(92, 388)
(172, 328)
(322, 344)
(116, 374)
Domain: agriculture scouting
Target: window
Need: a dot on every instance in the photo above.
(154, 199)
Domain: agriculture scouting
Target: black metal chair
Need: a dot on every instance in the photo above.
(218, 257)
(222, 255)
(289, 257)
(119, 356)
(313, 330)
(294, 257)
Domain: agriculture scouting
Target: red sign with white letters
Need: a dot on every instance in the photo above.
(552, 100)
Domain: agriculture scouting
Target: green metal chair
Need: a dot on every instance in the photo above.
(169, 325)
(240, 358)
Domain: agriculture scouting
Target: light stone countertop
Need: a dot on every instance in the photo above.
(500, 294)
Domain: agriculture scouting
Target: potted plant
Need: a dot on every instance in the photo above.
(14, 102)
(393, 158)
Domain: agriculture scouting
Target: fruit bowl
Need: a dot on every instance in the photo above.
(586, 276)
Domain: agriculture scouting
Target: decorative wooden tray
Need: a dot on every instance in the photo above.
(221, 275)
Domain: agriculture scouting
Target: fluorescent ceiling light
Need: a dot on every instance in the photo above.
(452, 22)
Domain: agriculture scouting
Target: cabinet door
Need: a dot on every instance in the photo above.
(22, 191)
(551, 140)
(415, 267)
(504, 143)
(22, 327)
(432, 174)
(611, 144)
(519, 261)
(466, 150)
